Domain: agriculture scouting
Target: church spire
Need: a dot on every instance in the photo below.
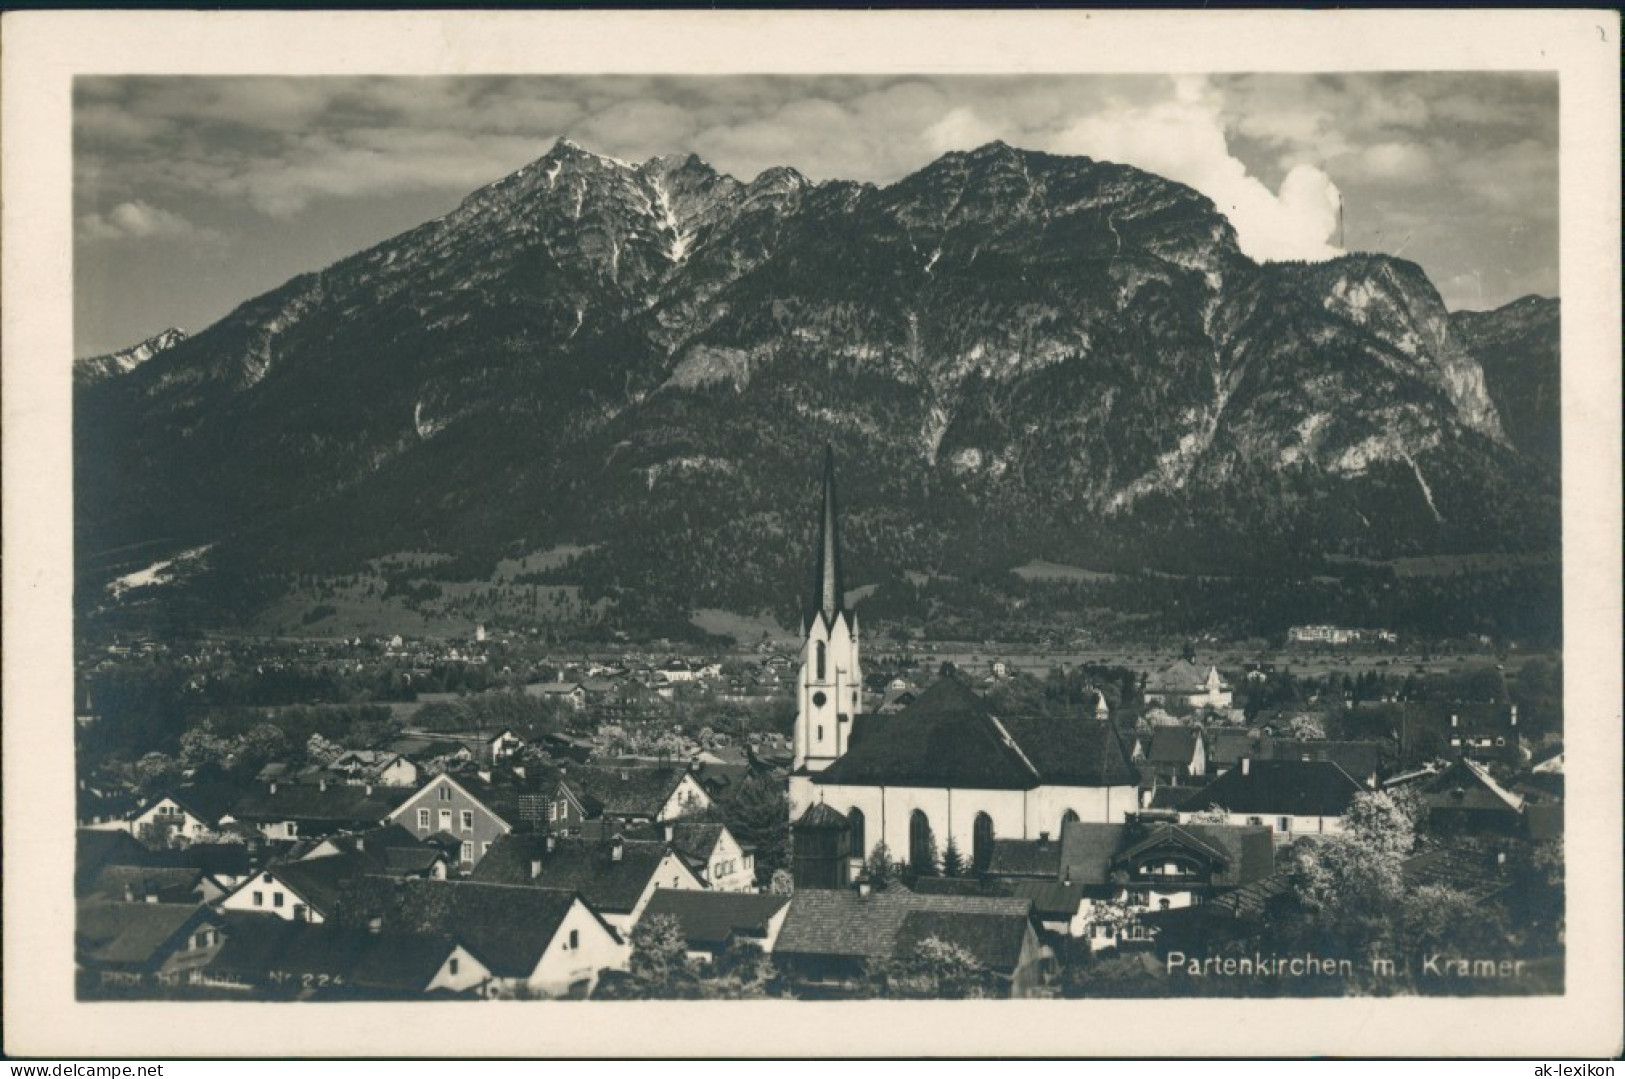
(829, 589)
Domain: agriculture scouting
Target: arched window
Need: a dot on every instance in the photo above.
(922, 848)
(819, 662)
(1069, 816)
(855, 815)
(982, 843)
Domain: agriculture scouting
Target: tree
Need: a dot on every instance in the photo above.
(880, 867)
(953, 862)
(1211, 815)
(759, 816)
(933, 969)
(660, 967)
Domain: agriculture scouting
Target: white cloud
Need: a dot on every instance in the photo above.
(1184, 139)
(138, 220)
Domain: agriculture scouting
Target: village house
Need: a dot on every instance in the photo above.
(375, 766)
(717, 858)
(1176, 755)
(1463, 797)
(712, 922)
(831, 936)
(279, 959)
(302, 891)
(625, 794)
(1057, 907)
(1295, 798)
(152, 884)
(617, 876)
(1484, 731)
(1365, 761)
(302, 810)
(534, 940)
(571, 695)
(446, 808)
(188, 812)
(1184, 683)
(132, 944)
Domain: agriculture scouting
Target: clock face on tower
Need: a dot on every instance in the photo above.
(819, 699)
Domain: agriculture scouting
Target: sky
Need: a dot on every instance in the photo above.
(193, 194)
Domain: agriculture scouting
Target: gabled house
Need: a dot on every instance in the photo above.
(617, 876)
(567, 694)
(133, 944)
(302, 960)
(1184, 683)
(152, 884)
(534, 940)
(1482, 730)
(445, 807)
(1292, 797)
(1365, 761)
(830, 936)
(712, 921)
(1464, 797)
(1176, 755)
(717, 858)
(375, 766)
(627, 795)
(303, 891)
(304, 810)
(1056, 906)
(390, 851)
(186, 812)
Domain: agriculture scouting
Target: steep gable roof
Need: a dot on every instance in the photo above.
(584, 866)
(696, 839)
(1051, 900)
(256, 946)
(337, 803)
(845, 924)
(1073, 751)
(994, 939)
(709, 919)
(1173, 745)
(1180, 677)
(132, 934)
(1025, 858)
(1087, 851)
(629, 791)
(169, 885)
(507, 928)
(471, 788)
(1293, 788)
(1466, 784)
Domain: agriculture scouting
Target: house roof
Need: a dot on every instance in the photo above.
(842, 923)
(994, 939)
(1239, 854)
(132, 934)
(256, 946)
(1051, 899)
(624, 792)
(709, 919)
(1288, 788)
(390, 850)
(1173, 745)
(339, 803)
(216, 859)
(1025, 858)
(170, 885)
(1468, 871)
(94, 849)
(696, 839)
(1358, 759)
(821, 815)
(1467, 784)
(208, 802)
(949, 737)
(507, 928)
(1088, 850)
(320, 881)
(1180, 677)
(585, 866)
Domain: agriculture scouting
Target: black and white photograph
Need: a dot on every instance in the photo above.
(803, 537)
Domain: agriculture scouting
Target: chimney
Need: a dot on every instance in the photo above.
(1514, 721)
(617, 848)
(366, 789)
(865, 886)
(1066, 874)
(273, 786)
(484, 774)
(129, 893)
(552, 842)
(671, 831)
(361, 842)
(536, 866)
(375, 924)
(1043, 839)
(323, 784)
(1246, 766)
(1455, 720)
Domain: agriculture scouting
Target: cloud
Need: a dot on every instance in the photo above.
(1184, 138)
(138, 220)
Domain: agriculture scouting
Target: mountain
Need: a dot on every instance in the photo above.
(1016, 356)
(91, 369)
(1517, 347)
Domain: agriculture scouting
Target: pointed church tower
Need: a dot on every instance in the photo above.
(829, 693)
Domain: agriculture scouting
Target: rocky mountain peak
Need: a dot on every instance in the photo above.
(92, 369)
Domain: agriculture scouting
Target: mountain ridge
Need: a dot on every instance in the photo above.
(1057, 355)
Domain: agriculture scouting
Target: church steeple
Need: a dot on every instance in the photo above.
(830, 689)
(829, 589)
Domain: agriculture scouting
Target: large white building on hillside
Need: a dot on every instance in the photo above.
(946, 768)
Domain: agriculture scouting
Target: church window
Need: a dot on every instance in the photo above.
(922, 852)
(820, 733)
(982, 843)
(819, 652)
(855, 816)
(819, 700)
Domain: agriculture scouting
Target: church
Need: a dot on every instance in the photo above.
(944, 768)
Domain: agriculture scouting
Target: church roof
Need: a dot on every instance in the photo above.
(829, 593)
(946, 738)
(950, 738)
